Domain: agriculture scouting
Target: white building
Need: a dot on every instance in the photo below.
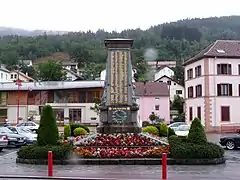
(212, 86)
(164, 71)
(4, 74)
(23, 77)
(174, 87)
(72, 76)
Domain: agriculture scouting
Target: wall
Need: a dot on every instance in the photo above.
(4, 76)
(147, 106)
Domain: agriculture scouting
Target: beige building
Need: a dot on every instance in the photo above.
(212, 86)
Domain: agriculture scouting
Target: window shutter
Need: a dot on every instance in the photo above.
(229, 69)
(218, 69)
(219, 89)
(230, 89)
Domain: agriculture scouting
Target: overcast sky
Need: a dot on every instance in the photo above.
(75, 15)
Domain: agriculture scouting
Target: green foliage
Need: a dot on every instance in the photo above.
(171, 132)
(51, 71)
(60, 152)
(150, 130)
(67, 131)
(197, 134)
(177, 104)
(74, 126)
(79, 131)
(145, 123)
(163, 129)
(184, 150)
(48, 130)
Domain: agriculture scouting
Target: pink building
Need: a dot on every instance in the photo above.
(212, 86)
(153, 97)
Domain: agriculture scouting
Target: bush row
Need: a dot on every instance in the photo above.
(60, 152)
(181, 148)
(160, 130)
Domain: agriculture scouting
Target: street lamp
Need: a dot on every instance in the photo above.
(18, 83)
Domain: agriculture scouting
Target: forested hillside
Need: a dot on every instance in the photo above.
(173, 41)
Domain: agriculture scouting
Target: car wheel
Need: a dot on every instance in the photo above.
(1, 149)
(230, 145)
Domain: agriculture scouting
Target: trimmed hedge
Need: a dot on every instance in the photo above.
(183, 149)
(150, 130)
(74, 126)
(79, 131)
(60, 152)
(67, 131)
(171, 132)
(196, 133)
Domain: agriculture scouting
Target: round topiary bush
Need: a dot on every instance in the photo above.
(74, 126)
(150, 130)
(67, 131)
(48, 130)
(196, 133)
(79, 131)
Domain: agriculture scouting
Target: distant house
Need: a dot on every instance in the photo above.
(23, 77)
(174, 87)
(164, 71)
(72, 76)
(152, 97)
(212, 85)
(4, 74)
(27, 62)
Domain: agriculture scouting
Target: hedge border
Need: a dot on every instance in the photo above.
(131, 161)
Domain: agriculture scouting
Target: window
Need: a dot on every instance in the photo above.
(190, 114)
(156, 98)
(1, 75)
(198, 71)
(198, 89)
(11, 76)
(190, 92)
(239, 90)
(75, 115)
(3, 98)
(169, 83)
(190, 74)
(6, 77)
(239, 69)
(199, 112)
(224, 89)
(157, 107)
(15, 76)
(224, 69)
(178, 91)
(225, 113)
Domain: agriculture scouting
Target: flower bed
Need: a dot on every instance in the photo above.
(119, 140)
(121, 152)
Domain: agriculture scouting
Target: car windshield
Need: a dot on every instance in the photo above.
(5, 130)
(25, 130)
(183, 128)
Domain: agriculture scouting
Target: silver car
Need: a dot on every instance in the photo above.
(15, 140)
(175, 125)
(3, 141)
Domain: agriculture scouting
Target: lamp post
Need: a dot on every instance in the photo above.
(18, 83)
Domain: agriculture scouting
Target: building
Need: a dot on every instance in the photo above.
(152, 97)
(164, 71)
(212, 86)
(4, 74)
(23, 77)
(72, 76)
(70, 100)
(174, 87)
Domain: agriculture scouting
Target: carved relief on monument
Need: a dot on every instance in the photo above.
(119, 77)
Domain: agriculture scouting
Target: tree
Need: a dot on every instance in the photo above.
(48, 130)
(179, 74)
(177, 104)
(96, 108)
(51, 71)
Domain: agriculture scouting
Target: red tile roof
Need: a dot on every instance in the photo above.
(151, 89)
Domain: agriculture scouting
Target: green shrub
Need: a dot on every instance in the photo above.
(67, 131)
(48, 130)
(60, 152)
(74, 126)
(197, 134)
(181, 149)
(163, 129)
(171, 132)
(79, 131)
(150, 130)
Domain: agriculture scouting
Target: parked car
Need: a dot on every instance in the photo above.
(29, 125)
(3, 141)
(15, 140)
(182, 130)
(30, 136)
(176, 124)
(231, 141)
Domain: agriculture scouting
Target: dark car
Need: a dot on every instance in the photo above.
(230, 142)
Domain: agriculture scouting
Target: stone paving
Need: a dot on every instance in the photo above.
(228, 171)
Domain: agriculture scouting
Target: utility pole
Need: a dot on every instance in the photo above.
(18, 83)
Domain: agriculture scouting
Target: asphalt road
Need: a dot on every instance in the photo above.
(8, 151)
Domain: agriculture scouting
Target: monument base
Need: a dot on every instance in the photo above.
(118, 128)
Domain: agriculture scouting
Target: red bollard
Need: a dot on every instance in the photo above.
(50, 164)
(164, 166)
